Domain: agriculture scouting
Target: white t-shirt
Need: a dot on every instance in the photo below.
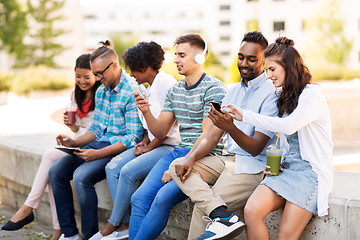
(156, 94)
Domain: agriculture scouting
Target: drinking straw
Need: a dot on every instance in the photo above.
(277, 140)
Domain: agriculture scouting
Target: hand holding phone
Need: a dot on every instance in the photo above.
(217, 106)
(136, 88)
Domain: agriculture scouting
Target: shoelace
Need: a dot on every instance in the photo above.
(207, 219)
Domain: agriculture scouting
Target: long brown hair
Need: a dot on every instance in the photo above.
(297, 75)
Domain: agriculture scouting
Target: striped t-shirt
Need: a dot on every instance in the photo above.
(191, 104)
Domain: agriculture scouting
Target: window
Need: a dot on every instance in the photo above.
(225, 53)
(278, 26)
(359, 56)
(90, 16)
(224, 23)
(252, 25)
(224, 7)
(225, 38)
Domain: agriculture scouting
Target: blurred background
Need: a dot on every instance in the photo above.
(40, 40)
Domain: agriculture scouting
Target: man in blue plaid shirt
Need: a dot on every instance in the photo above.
(115, 127)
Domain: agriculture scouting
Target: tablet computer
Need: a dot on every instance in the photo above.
(68, 150)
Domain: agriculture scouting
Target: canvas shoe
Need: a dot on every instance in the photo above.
(117, 235)
(223, 228)
(75, 237)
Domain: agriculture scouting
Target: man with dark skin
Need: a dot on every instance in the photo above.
(234, 177)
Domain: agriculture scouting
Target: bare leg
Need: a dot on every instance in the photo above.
(22, 213)
(56, 235)
(123, 227)
(108, 229)
(260, 204)
(293, 221)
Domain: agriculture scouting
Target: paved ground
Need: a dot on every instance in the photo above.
(32, 231)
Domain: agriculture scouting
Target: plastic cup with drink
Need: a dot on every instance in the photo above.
(273, 158)
(71, 113)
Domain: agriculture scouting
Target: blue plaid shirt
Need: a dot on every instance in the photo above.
(116, 116)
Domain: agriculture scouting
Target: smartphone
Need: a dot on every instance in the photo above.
(136, 88)
(217, 106)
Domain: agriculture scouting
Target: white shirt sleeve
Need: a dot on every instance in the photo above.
(308, 110)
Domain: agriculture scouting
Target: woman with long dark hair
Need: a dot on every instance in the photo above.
(303, 186)
(83, 96)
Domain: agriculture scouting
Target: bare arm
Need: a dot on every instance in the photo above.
(94, 154)
(253, 145)
(160, 126)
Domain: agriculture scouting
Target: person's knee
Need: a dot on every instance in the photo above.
(251, 212)
(172, 169)
(80, 180)
(136, 198)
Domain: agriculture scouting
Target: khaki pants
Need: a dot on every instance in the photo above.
(229, 189)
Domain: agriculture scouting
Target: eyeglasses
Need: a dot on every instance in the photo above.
(101, 74)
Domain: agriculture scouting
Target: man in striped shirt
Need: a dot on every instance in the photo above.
(115, 127)
(215, 187)
(188, 103)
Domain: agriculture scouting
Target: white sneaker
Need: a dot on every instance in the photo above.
(97, 236)
(117, 235)
(223, 228)
(75, 237)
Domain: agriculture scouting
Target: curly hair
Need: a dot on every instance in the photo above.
(143, 55)
(297, 75)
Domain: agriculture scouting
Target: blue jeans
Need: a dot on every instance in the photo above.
(152, 201)
(122, 173)
(85, 175)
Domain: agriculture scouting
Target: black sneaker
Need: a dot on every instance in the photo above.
(223, 228)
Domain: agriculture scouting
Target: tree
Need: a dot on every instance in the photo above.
(13, 26)
(327, 33)
(122, 42)
(41, 46)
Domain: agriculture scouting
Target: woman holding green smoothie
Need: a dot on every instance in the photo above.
(303, 186)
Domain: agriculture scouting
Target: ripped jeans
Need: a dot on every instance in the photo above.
(122, 173)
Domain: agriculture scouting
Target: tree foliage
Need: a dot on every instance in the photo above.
(41, 44)
(327, 33)
(122, 42)
(13, 26)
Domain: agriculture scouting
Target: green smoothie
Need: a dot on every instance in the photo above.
(274, 162)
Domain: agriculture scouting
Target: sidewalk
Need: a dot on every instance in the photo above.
(30, 122)
(32, 231)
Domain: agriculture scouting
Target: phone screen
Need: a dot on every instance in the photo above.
(216, 106)
(136, 89)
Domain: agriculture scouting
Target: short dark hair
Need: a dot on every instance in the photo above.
(104, 51)
(143, 55)
(193, 39)
(256, 37)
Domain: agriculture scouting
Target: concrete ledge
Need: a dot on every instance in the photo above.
(19, 166)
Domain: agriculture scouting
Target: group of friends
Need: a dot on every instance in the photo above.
(170, 138)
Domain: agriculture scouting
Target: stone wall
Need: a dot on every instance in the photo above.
(16, 176)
